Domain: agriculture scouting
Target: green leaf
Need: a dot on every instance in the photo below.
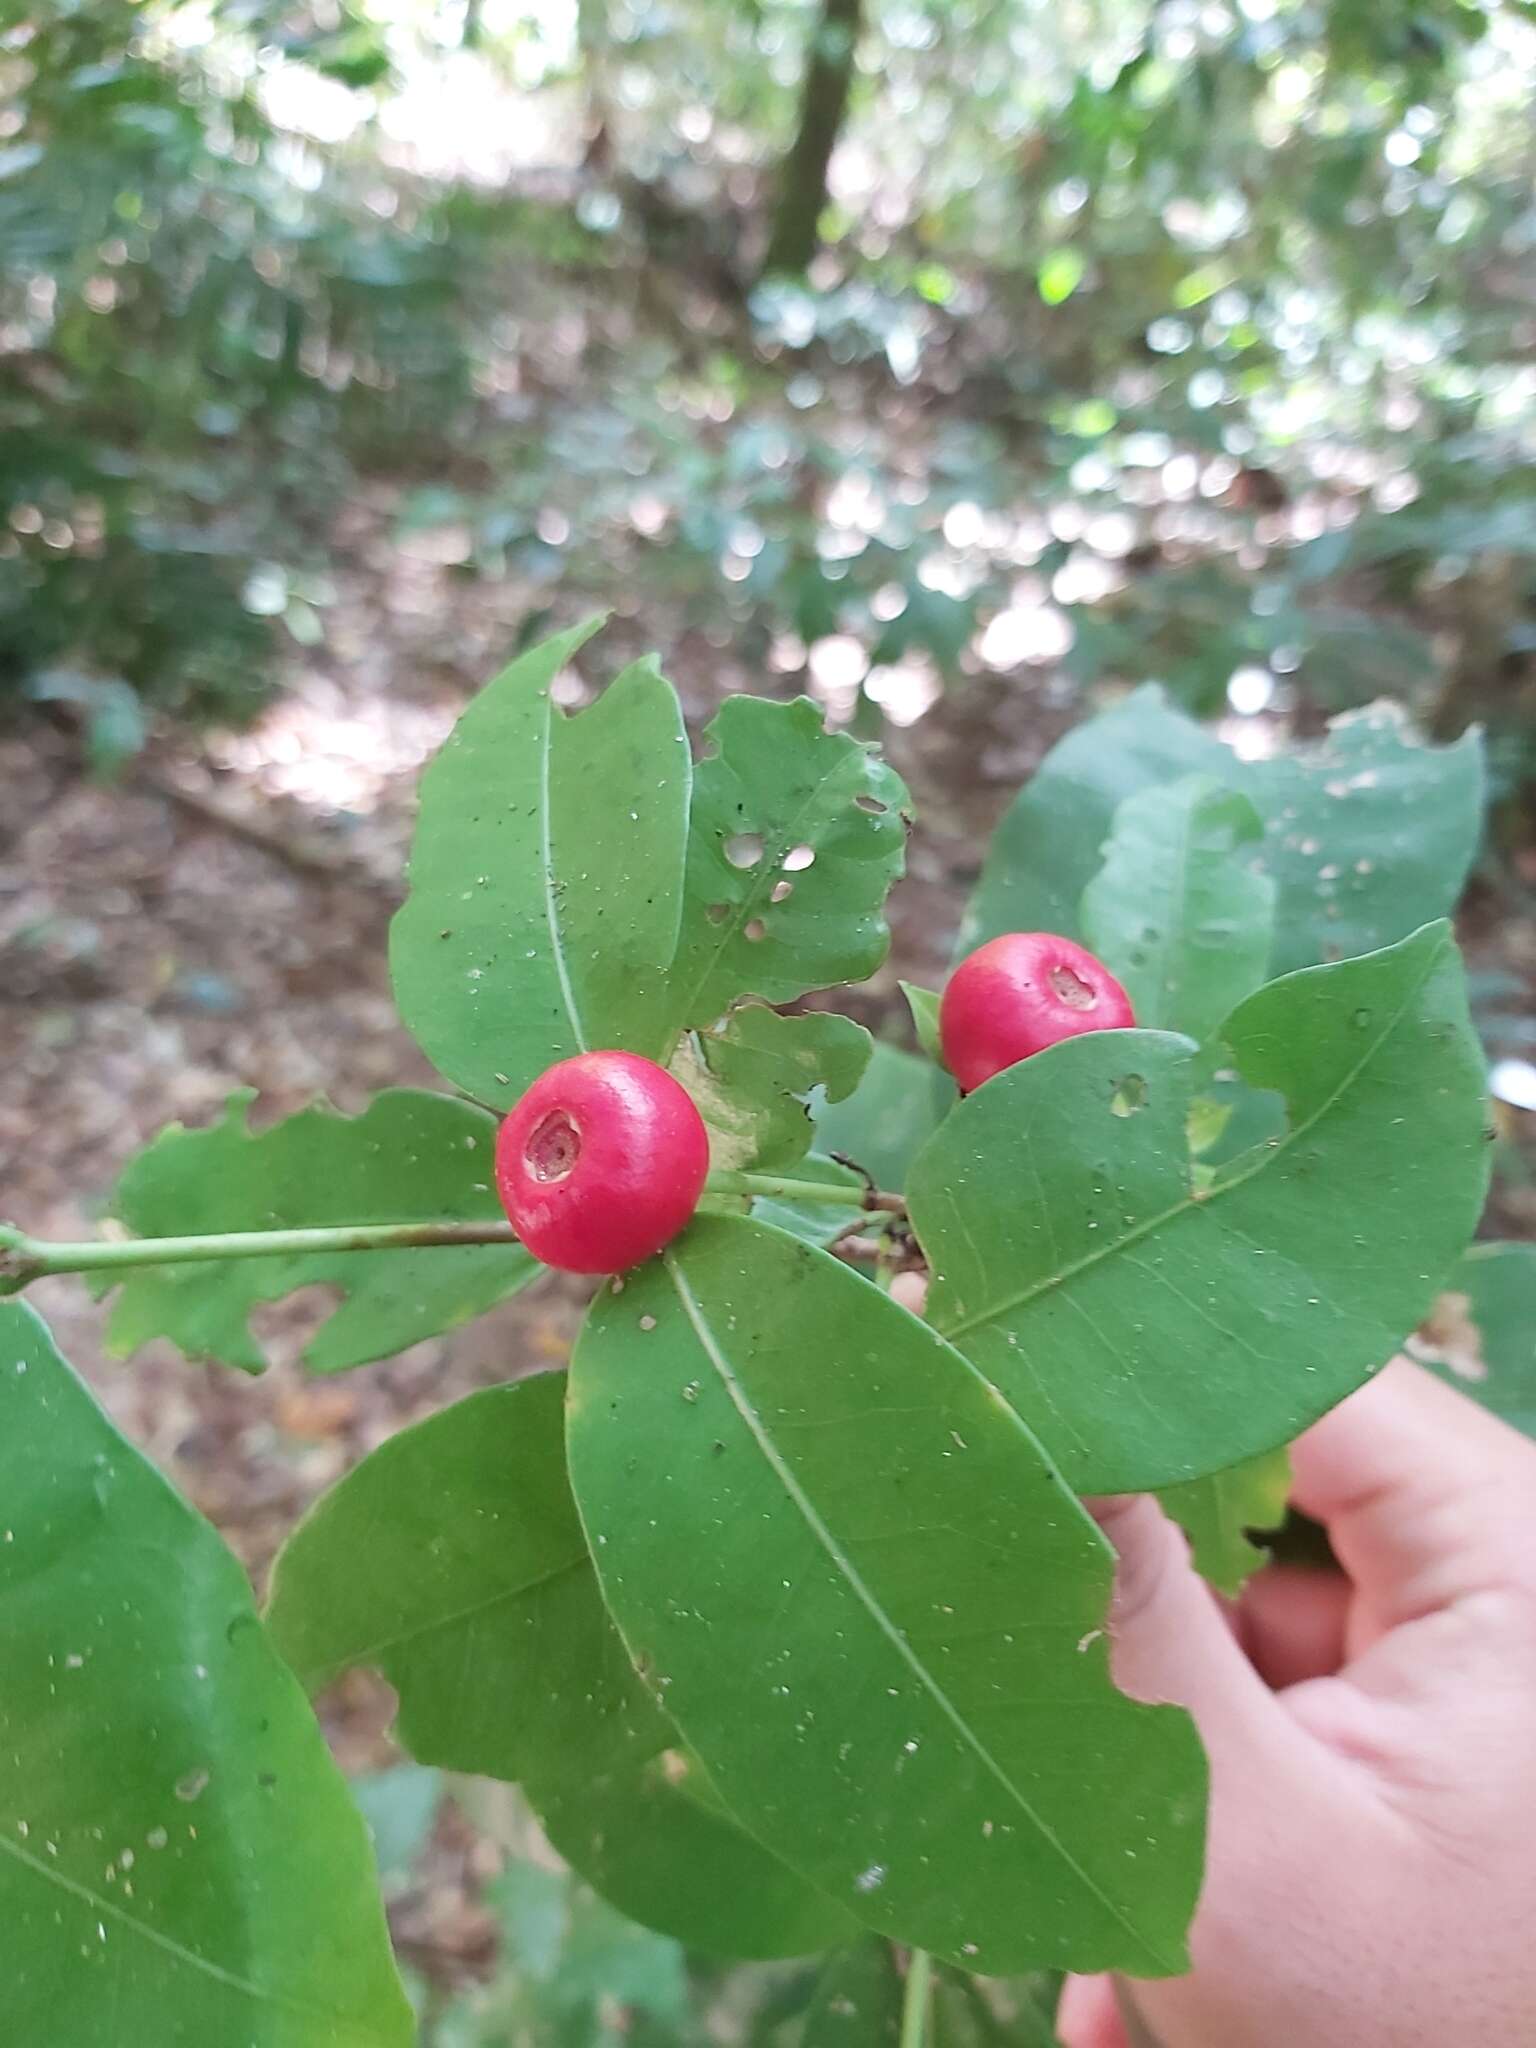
(1369, 834)
(480, 1607)
(1151, 1331)
(546, 877)
(817, 1222)
(410, 1157)
(399, 1805)
(881, 1126)
(924, 1005)
(1048, 846)
(1480, 1336)
(178, 1855)
(796, 837)
(752, 1075)
(1216, 1513)
(478, 1604)
(857, 2001)
(654, 1840)
(814, 1520)
(1174, 913)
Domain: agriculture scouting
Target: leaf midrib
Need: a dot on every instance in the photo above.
(547, 865)
(373, 1651)
(854, 1579)
(1191, 1202)
(107, 1909)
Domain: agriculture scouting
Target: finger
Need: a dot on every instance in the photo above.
(1292, 1622)
(1426, 1498)
(1169, 1639)
(1089, 2015)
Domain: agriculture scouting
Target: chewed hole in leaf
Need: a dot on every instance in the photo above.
(781, 891)
(744, 849)
(717, 913)
(1129, 1096)
(1072, 989)
(553, 1147)
(872, 804)
(797, 858)
(755, 929)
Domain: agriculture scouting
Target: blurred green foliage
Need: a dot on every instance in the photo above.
(1183, 339)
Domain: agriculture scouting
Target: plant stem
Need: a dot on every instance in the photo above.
(24, 1259)
(914, 2002)
(783, 1190)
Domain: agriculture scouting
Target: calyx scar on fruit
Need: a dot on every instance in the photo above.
(601, 1162)
(1020, 993)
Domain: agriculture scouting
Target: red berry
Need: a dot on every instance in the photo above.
(1018, 994)
(601, 1163)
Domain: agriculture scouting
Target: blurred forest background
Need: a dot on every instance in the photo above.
(959, 361)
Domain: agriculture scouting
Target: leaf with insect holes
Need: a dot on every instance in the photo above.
(1352, 875)
(1174, 913)
(410, 1157)
(1151, 1326)
(545, 877)
(178, 1855)
(1480, 1335)
(480, 1608)
(795, 839)
(1217, 1512)
(752, 1074)
(877, 1613)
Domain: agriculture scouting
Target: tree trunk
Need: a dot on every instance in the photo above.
(823, 102)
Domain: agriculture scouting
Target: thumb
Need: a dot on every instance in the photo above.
(1170, 1640)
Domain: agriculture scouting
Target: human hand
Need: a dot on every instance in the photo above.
(1371, 1866)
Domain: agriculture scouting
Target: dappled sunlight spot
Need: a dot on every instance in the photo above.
(1037, 634)
(905, 690)
(838, 664)
(330, 752)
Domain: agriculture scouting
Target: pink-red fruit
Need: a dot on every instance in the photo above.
(601, 1163)
(1018, 994)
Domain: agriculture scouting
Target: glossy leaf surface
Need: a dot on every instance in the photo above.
(795, 838)
(478, 1603)
(545, 877)
(179, 1859)
(410, 1157)
(1368, 834)
(873, 1612)
(1174, 913)
(1151, 1328)
(752, 1075)
(479, 1606)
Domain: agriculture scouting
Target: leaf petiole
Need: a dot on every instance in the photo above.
(24, 1259)
(915, 2000)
